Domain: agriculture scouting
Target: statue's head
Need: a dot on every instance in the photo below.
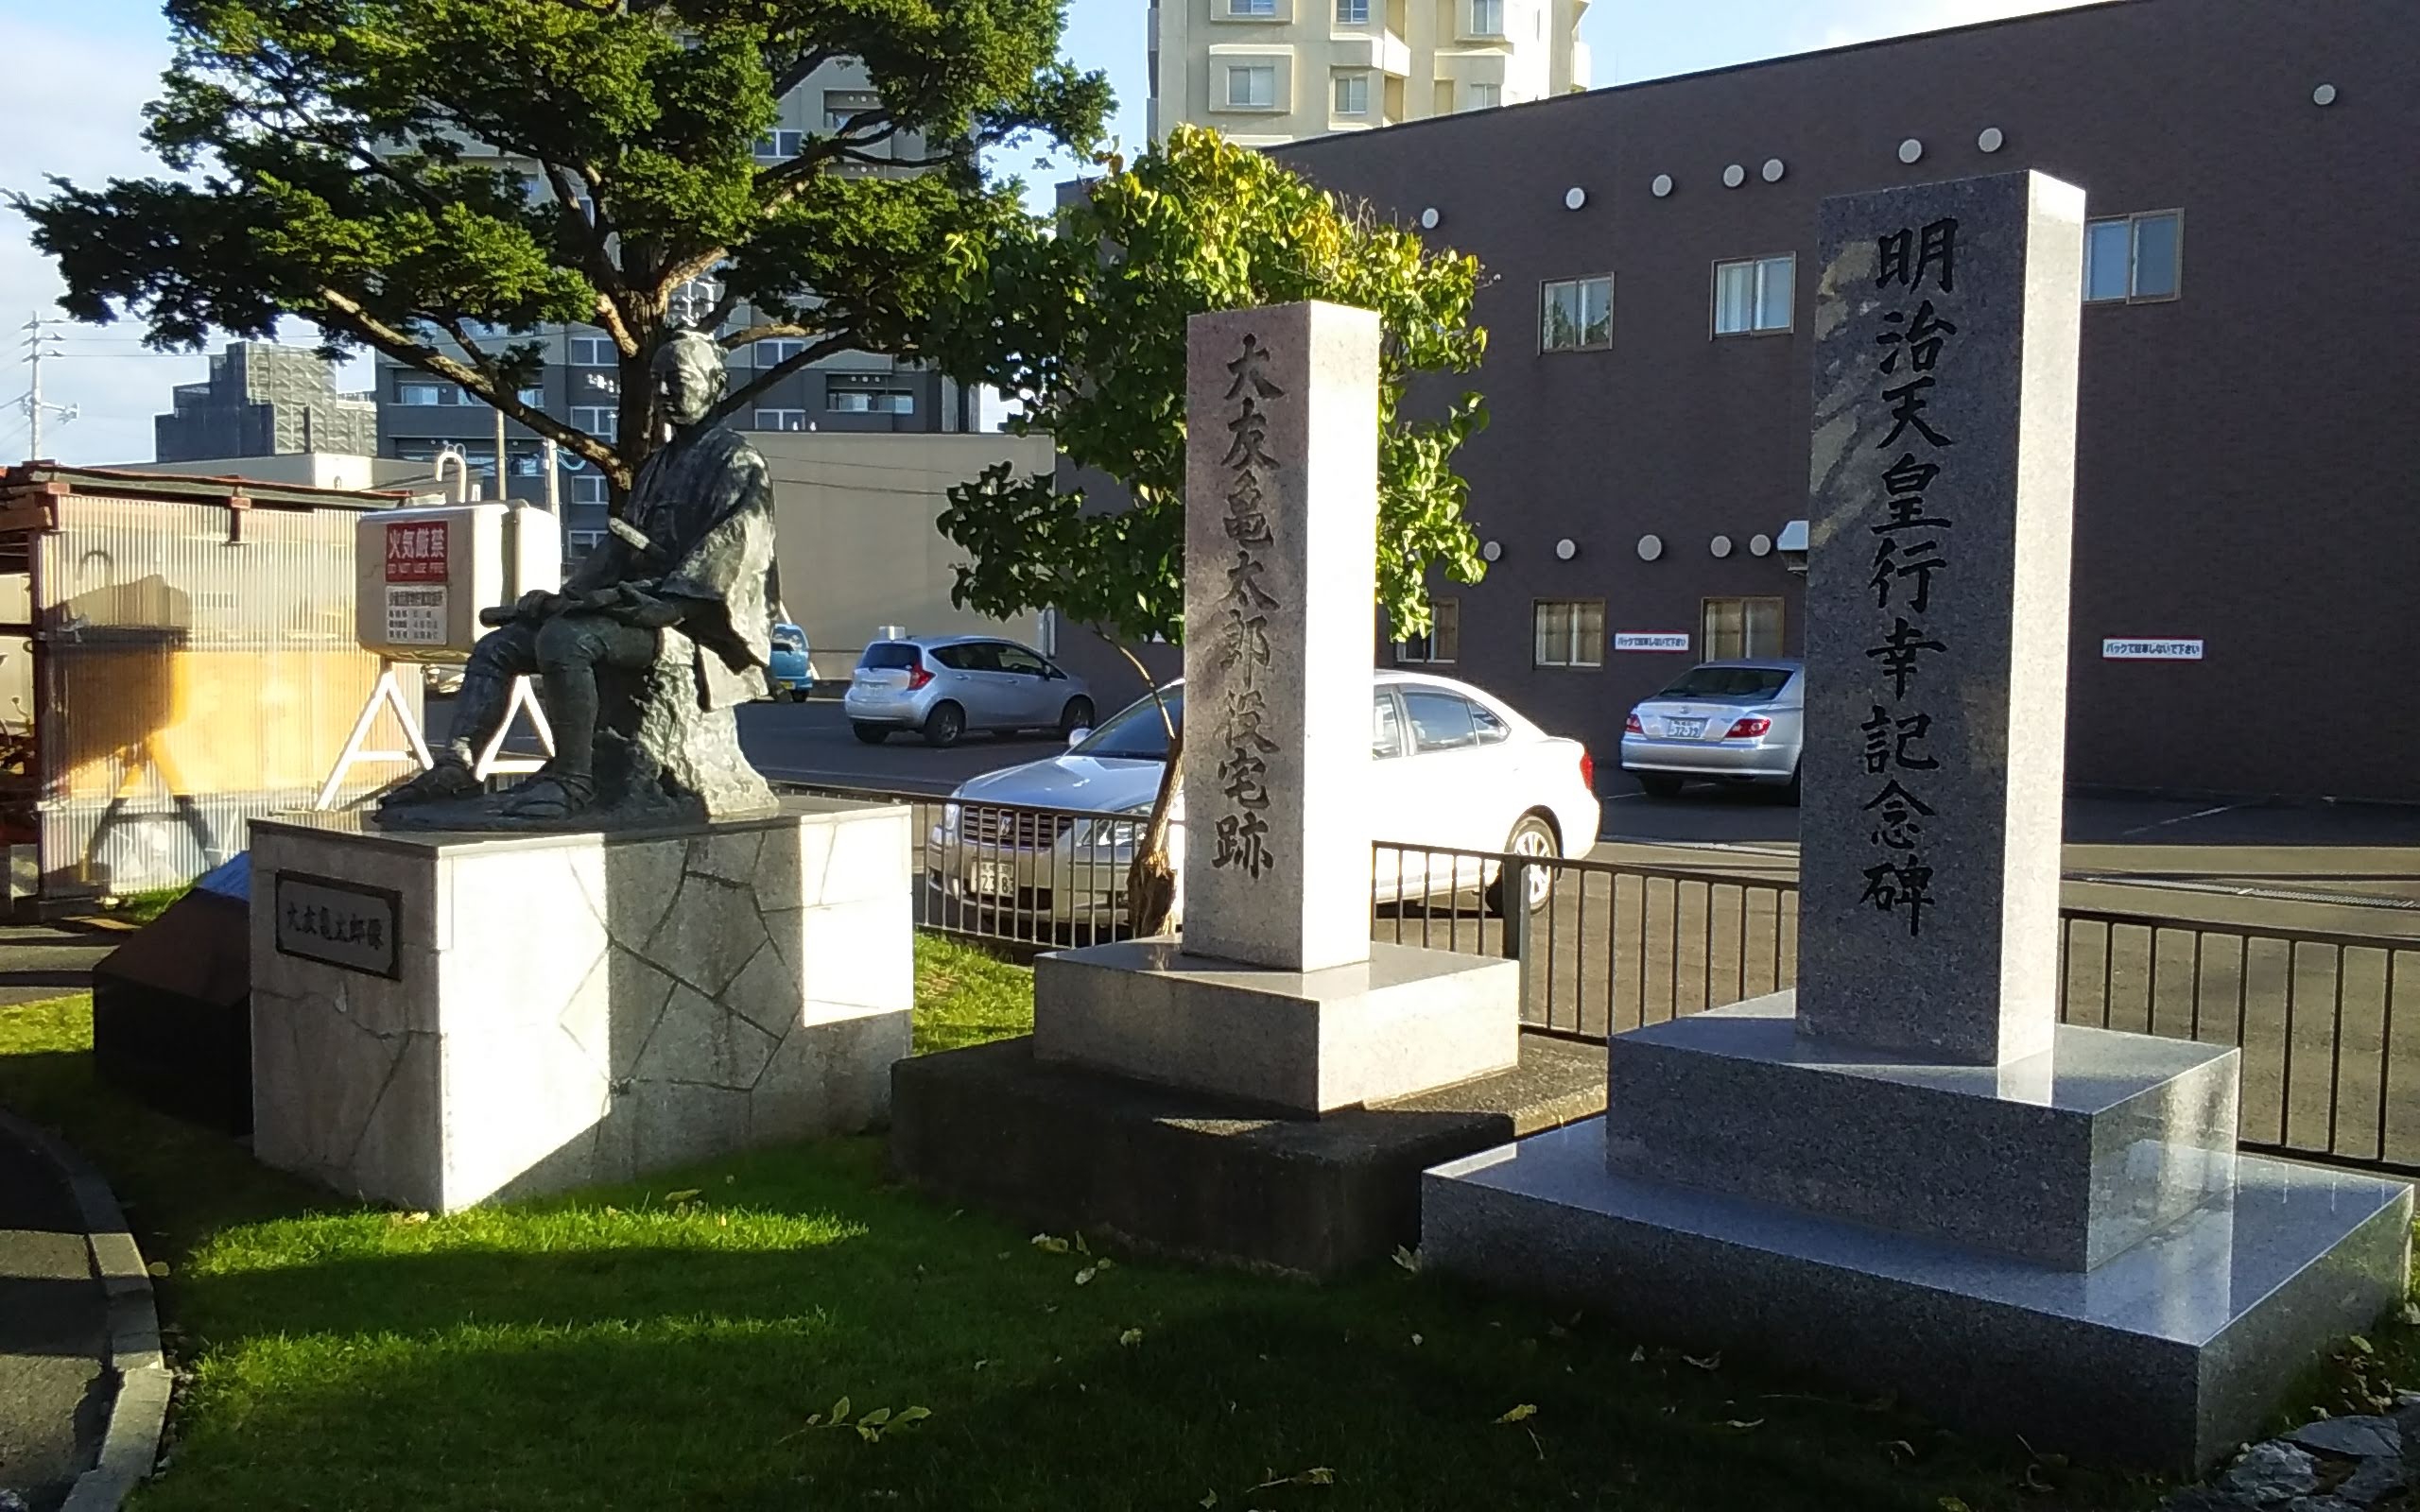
(689, 376)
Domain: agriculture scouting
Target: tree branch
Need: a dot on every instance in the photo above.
(814, 351)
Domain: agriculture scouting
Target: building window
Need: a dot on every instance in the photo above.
(1252, 87)
(1352, 12)
(1352, 93)
(780, 419)
(588, 490)
(1754, 296)
(1485, 96)
(534, 398)
(420, 395)
(1252, 7)
(1571, 632)
(599, 420)
(840, 104)
(1734, 628)
(1442, 645)
(1486, 18)
(853, 399)
(780, 146)
(774, 351)
(1577, 314)
(595, 352)
(2133, 258)
(582, 544)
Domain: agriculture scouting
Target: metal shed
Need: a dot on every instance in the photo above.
(176, 657)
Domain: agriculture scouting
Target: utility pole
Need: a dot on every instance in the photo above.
(39, 344)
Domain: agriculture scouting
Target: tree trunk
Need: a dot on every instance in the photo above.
(1150, 878)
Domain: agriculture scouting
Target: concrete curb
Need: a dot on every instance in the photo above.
(139, 1413)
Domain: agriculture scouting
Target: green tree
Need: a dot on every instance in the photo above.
(434, 178)
(1085, 331)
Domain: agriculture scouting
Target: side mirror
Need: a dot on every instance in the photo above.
(1077, 737)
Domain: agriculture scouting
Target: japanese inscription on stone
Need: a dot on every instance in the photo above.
(337, 922)
(1241, 828)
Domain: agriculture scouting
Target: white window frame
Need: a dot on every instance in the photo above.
(1546, 295)
(855, 401)
(771, 352)
(1250, 70)
(2134, 224)
(406, 394)
(1572, 655)
(1251, 10)
(1762, 271)
(1352, 12)
(1339, 88)
(835, 117)
(779, 419)
(1707, 636)
(589, 487)
(1485, 96)
(604, 421)
(780, 145)
(1486, 18)
(595, 352)
(1442, 646)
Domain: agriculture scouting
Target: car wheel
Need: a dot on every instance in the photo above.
(1790, 793)
(1658, 785)
(1533, 838)
(1077, 715)
(871, 734)
(798, 695)
(944, 725)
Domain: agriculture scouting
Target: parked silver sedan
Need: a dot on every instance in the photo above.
(942, 686)
(1740, 722)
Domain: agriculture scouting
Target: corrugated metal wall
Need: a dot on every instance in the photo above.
(189, 682)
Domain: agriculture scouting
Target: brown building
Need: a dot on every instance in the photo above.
(2248, 473)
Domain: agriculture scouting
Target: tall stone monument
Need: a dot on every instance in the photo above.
(1266, 1086)
(1907, 1172)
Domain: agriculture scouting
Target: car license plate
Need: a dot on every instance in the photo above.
(1685, 728)
(990, 878)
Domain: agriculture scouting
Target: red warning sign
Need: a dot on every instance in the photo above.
(416, 552)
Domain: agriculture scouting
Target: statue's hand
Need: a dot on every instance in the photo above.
(537, 604)
(645, 610)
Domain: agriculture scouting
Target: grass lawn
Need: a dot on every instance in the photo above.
(670, 1346)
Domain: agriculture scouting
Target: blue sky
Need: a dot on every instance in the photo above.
(74, 108)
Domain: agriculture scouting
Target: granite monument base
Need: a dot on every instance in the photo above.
(440, 1019)
(1405, 1022)
(1165, 1171)
(2065, 1158)
(2166, 1357)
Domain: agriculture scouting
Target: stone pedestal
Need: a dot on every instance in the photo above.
(441, 1018)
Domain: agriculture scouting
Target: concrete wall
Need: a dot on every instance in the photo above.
(859, 548)
(2247, 473)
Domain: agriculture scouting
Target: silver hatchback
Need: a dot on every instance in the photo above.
(1741, 722)
(942, 686)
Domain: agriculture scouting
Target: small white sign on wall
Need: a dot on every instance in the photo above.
(2151, 650)
(1649, 641)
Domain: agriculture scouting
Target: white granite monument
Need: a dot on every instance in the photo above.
(1907, 1172)
(1274, 992)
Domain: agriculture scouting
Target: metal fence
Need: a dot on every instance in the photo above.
(2328, 1024)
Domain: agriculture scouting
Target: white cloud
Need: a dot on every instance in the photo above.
(79, 117)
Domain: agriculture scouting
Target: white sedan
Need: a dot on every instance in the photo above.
(1453, 770)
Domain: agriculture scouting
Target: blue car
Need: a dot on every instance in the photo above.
(786, 668)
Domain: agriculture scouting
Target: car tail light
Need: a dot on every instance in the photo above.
(918, 676)
(1630, 726)
(1749, 728)
(1587, 770)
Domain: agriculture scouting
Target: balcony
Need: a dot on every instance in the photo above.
(1372, 47)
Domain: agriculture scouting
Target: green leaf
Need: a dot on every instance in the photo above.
(875, 1418)
(685, 1193)
(1520, 1414)
(910, 1415)
(1130, 1337)
(1049, 1244)
(840, 1411)
(1084, 1276)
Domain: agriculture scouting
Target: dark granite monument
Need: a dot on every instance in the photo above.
(1907, 1172)
(642, 659)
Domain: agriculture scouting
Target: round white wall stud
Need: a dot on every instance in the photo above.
(1492, 551)
(1760, 545)
(1910, 150)
(1565, 549)
(1574, 197)
(1662, 186)
(1733, 176)
(1719, 545)
(2325, 95)
(1428, 218)
(1774, 169)
(1991, 138)
(1650, 547)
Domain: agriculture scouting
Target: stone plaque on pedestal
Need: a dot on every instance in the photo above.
(441, 1018)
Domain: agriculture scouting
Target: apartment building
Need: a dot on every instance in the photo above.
(263, 400)
(420, 414)
(1266, 72)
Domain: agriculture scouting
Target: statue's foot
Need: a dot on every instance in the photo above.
(548, 797)
(447, 779)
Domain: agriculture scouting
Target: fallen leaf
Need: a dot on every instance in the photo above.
(1744, 1426)
(1407, 1259)
(158, 1267)
(399, 1218)
(1084, 1276)
(1898, 1449)
(1555, 1331)
(1050, 1244)
(1527, 1409)
(1209, 1499)
(1417, 1339)
(2361, 1345)
(1080, 1248)
(1316, 1475)
(1712, 1361)
(612, 1211)
(1130, 1337)
(1104, 1263)
(729, 1179)
(685, 1195)
(1638, 1355)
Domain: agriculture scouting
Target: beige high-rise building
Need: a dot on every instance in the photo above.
(1271, 71)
